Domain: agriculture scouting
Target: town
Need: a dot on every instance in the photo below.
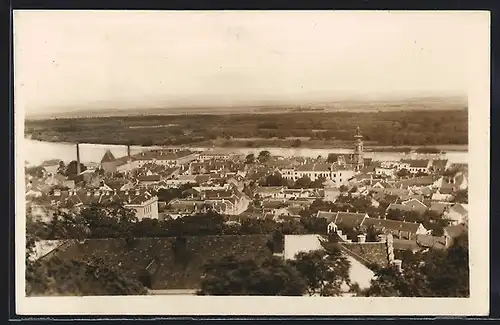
(175, 221)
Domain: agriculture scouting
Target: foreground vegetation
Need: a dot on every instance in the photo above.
(436, 273)
(398, 128)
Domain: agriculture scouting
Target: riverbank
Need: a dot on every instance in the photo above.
(35, 152)
(258, 143)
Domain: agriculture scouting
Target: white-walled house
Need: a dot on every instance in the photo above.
(314, 171)
(456, 214)
(145, 209)
(359, 272)
(383, 171)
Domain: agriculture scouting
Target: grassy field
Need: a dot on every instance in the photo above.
(314, 129)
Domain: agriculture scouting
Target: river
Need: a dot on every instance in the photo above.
(35, 152)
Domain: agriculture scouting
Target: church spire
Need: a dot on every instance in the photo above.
(358, 149)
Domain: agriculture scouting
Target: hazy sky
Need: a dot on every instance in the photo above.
(74, 60)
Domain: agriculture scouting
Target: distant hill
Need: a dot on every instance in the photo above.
(407, 104)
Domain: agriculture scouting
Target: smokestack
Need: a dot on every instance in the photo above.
(78, 168)
(128, 151)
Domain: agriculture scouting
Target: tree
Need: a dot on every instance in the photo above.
(403, 173)
(234, 276)
(314, 225)
(372, 234)
(108, 221)
(303, 182)
(264, 156)
(200, 224)
(62, 168)
(257, 226)
(168, 194)
(66, 225)
(318, 183)
(250, 159)
(276, 243)
(274, 180)
(296, 143)
(436, 273)
(325, 271)
(332, 158)
(343, 188)
(81, 277)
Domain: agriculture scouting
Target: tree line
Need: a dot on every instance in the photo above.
(397, 128)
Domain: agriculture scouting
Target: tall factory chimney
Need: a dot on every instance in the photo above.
(78, 167)
(128, 151)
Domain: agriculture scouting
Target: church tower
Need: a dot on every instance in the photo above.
(358, 159)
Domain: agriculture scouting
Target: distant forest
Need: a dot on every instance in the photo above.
(396, 128)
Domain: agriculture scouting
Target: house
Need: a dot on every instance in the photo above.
(415, 165)
(455, 182)
(338, 220)
(214, 155)
(443, 194)
(400, 229)
(146, 180)
(339, 175)
(142, 202)
(439, 165)
(389, 164)
(33, 191)
(51, 166)
(416, 182)
(410, 205)
(238, 181)
(438, 207)
(454, 231)
(275, 207)
(265, 192)
(181, 180)
(108, 162)
(164, 157)
(383, 171)
(178, 208)
(225, 201)
(456, 214)
(286, 193)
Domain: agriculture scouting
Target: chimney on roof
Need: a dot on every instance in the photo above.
(390, 247)
(398, 264)
(78, 167)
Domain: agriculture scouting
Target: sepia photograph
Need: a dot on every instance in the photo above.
(264, 162)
